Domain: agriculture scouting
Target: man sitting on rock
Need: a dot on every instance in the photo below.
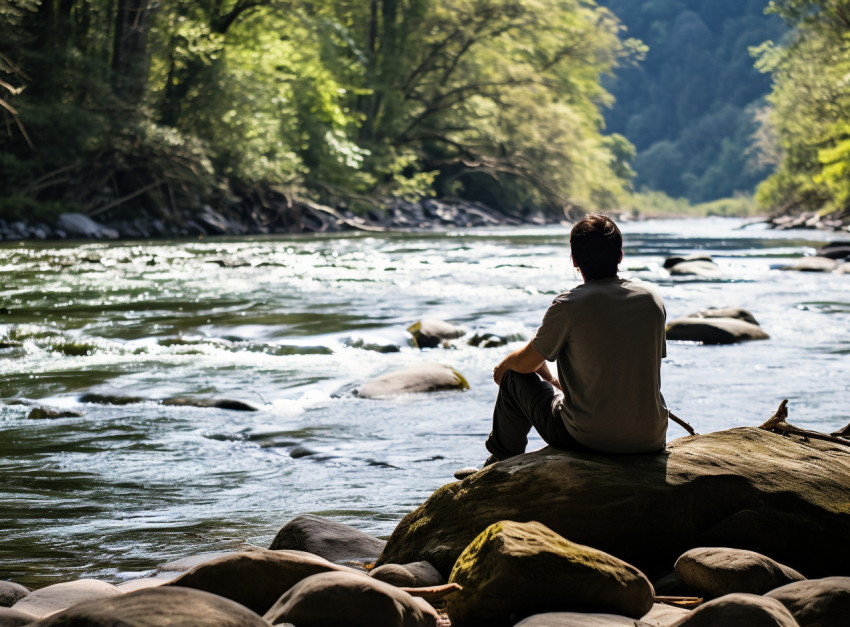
(607, 338)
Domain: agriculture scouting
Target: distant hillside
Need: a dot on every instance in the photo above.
(688, 107)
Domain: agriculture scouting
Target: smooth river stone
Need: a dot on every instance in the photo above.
(431, 333)
(256, 579)
(739, 610)
(715, 571)
(155, 608)
(714, 330)
(425, 377)
(704, 269)
(812, 264)
(414, 575)
(579, 619)
(15, 618)
(817, 602)
(351, 600)
(59, 596)
(11, 593)
(326, 538)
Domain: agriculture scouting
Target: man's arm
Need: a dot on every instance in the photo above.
(524, 360)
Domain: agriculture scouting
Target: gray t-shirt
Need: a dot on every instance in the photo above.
(608, 338)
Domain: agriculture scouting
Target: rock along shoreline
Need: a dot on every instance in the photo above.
(295, 216)
(740, 528)
(291, 217)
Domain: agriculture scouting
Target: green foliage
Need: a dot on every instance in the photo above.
(493, 100)
(810, 108)
(689, 106)
(655, 204)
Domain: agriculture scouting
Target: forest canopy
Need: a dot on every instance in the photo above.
(807, 131)
(116, 105)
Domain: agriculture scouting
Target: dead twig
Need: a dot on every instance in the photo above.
(434, 593)
(685, 602)
(778, 423)
(681, 423)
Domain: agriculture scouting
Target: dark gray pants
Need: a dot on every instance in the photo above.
(525, 401)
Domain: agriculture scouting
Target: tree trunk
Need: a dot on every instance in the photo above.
(129, 49)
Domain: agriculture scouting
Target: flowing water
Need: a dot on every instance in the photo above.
(285, 324)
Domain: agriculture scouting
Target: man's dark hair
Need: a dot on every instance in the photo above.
(596, 244)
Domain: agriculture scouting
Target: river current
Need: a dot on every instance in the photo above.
(286, 324)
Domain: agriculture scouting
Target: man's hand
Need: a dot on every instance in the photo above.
(524, 360)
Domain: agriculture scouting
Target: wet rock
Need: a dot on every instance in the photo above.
(513, 570)
(714, 330)
(15, 618)
(424, 377)
(326, 538)
(491, 340)
(351, 600)
(11, 593)
(111, 399)
(76, 224)
(48, 413)
(415, 575)
(579, 619)
(739, 610)
(218, 403)
(157, 607)
(817, 602)
(737, 313)
(256, 579)
(843, 268)
(743, 487)
(835, 250)
(811, 264)
(229, 263)
(59, 596)
(704, 269)
(432, 333)
(674, 261)
(712, 572)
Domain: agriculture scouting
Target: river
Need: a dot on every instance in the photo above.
(286, 323)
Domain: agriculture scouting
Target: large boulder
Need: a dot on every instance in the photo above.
(739, 610)
(716, 571)
(714, 330)
(817, 602)
(59, 596)
(157, 607)
(350, 600)
(326, 538)
(76, 224)
(11, 593)
(256, 579)
(744, 488)
(513, 570)
(432, 333)
(425, 377)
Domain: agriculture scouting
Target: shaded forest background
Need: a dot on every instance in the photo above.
(129, 106)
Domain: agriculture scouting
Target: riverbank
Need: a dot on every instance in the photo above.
(285, 215)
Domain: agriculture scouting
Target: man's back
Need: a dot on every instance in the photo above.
(607, 336)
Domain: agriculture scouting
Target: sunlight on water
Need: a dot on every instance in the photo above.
(287, 326)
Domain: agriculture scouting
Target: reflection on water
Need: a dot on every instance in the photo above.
(282, 324)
